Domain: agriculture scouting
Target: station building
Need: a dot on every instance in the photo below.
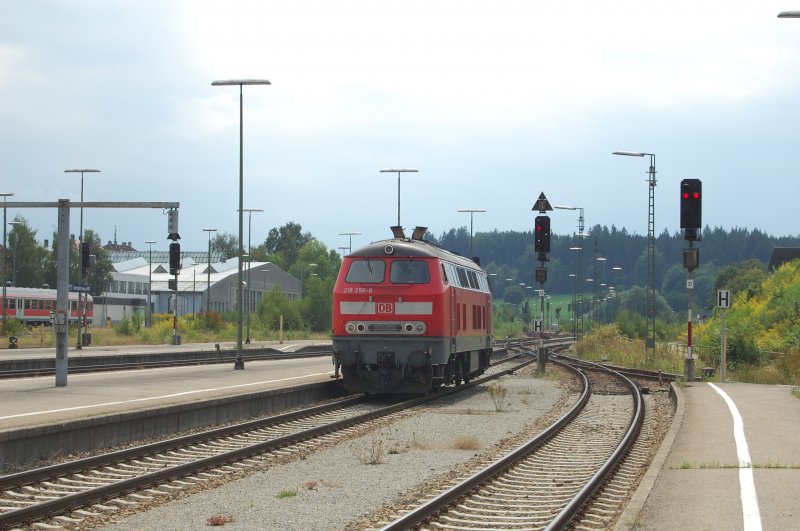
(204, 282)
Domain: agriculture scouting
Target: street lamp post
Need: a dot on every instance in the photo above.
(603, 284)
(398, 172)
(5, 196)
(471, 213)
(250, 261)
(351, 234)
(302, 278)
(650, 340)
(14, 253)
(239, 365)
(579, 280)
(573, 276)
(208, 271)
(81, 307)
(150, 285)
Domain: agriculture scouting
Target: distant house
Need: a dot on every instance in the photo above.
(114, 246)
(200, 285)
(781, 255)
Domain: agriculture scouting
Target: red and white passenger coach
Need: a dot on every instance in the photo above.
(36, 305)
(409, 316)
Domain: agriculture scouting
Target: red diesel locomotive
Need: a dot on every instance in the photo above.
(409, 317)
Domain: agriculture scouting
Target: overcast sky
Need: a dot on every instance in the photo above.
(493, 102)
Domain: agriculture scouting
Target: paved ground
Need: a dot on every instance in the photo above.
(702, 485)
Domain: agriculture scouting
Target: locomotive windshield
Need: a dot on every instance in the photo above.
(409, 272)
(366, 271)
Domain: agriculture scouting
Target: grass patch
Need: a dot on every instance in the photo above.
(465, 442)
(417, 443)
(369, 450)
(499, 395)
(723, 466)
(287, 493)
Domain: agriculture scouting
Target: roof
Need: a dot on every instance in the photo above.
(781, 255)
(411, 247)
(163, 256)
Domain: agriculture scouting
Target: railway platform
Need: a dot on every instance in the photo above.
(731, 460)
(104, 409)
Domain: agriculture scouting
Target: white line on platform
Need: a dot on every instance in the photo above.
(750, 511)
(160, 397)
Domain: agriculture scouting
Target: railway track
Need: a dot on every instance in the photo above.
(68, 493)
(548, 481)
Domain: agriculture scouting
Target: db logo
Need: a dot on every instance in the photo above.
(385, 307)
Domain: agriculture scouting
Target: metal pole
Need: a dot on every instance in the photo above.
(250, 263)
(249, 267)
(398, 187)
(689, 361)
(78, 345)
(541, 358)
(208, 271)
(471, 213)
(5, 304)
(724, 346)
(61, 319)
(398, 199)
(149, 285)
(350, 234)
(81, 307)
(580, 326)
(651, 259)
(239, 365)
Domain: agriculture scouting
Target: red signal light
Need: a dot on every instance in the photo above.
(696, 195)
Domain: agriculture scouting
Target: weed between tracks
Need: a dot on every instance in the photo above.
(722, 466)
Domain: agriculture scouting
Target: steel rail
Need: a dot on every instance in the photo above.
(637, 419)
(435, 505)
(98, 494)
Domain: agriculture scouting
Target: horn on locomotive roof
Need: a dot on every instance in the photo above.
(397, 232)
(418, 233)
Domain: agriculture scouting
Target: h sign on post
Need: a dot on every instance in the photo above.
(723, 298)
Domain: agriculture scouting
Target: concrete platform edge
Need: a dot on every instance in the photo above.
(25, 446)
(630, 516)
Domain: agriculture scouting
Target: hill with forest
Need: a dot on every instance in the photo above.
(616, 257)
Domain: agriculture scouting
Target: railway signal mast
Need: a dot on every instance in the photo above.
(174, 268)
(542, 247)
(691, 214)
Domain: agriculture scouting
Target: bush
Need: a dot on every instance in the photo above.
(211, 321)
(130, 326)
(14, 327)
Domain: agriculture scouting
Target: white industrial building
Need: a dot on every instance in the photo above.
(134, 276)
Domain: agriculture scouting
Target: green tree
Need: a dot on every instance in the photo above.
(316, 304)
(275, 304)
(225, 243)
(101, 267)
(287, 241)
(27, 260)
(745, 277)
(513, 294)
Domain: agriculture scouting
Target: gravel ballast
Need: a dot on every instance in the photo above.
(333, 488)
